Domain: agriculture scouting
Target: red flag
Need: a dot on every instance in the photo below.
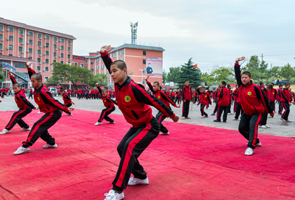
(195, 66)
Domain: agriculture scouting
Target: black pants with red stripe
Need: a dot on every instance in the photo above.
(40, 129)
(281, 106)
(263, 119)
(132, 145)
(248, 127)
(202, 109)
(161, 117)
(17, 118)
(185, 108)
(272, 105)
(216, 107)
(221, 109)
(105, 112)
(286, 106)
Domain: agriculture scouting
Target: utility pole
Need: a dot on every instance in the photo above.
(262, 57)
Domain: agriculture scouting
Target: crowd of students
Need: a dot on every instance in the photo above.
(251, 101)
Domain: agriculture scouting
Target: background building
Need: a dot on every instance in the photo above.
(20, 43)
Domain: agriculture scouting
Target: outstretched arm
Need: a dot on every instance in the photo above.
(30, 70)
(98, 87)
(104, 52)
(149, 84)
(238, 70)
(12, 78)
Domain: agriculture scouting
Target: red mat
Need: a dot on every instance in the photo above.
(193, 162)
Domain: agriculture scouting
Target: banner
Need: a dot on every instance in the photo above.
(154, 66)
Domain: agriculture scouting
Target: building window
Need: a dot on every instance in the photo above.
(39, 43)
(20, 40)
(75, 57)
(82, 65)
(47, 45)
(38, 60)
(91, 63)
(21, 31)
(54, 46)
(61, 55)
(76, 64)
(10, 47)
(39, 35)
(54, 61)
(47, 61)
(38, 68)
(61, 47)
(10, 29)
(19, 65)
(46, 69)
(1, 46)
(69, 42)
(1, 27)
(144, 62)
(62, 62)
(55, 39)
(54, 54)
(30, 33)
(62, 40)
(144, 53)
(9, 54)
(10, 38)
(30, 41)
(1, 36)
(69, 56)
(86, 61)
(30, 50)
(20, 49)
(39, 51)
(47, 37)
(46, 78)
(47, 53)
(69, 48)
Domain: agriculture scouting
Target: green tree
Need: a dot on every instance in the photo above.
(164, 77)
(2, 77)
(101, 79)
(287, 72)
(208, 78)
(258, 69)
(174, 74)
(274, 72)
(191, 74)
(223, 74)
(71, 73)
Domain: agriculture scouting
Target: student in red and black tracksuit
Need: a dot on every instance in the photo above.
(109, 104)
(223, 102)
(272, 96)
(133, 100)
(215, 99)
(186, 96)
(254, 103)
(25, 107)
(238, 107)
(66, 98)
(178, 96)
(230, 98)
(204, 99)
(158, 93)
(31, 93)
(286, 102)
(48, 105)
(280, 99)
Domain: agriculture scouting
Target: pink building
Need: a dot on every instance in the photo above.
(20, 42)
(134, 55)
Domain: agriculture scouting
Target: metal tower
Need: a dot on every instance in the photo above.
(133, 32)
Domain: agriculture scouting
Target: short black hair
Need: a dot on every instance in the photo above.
(38, 76)
(223, 83)
(228, 85)
(261, 83)
(287, 83)
(157, 83)
(247, 73)
(17, 85)
(280, 85)
(62, 90)
(270, 86)
(120, 64)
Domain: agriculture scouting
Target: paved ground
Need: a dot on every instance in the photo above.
(277, 126)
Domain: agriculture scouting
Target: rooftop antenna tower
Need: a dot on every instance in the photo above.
(133, 32)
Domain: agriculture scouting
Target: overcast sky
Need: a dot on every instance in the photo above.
(212, 32)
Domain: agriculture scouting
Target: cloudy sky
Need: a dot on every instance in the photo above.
(212, 32)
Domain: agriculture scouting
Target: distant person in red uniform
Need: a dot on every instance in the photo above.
(204, 99)
(223, 102)
(272, 96)
(66, 98)
(286, 102)
(186, 96)
(238, 108)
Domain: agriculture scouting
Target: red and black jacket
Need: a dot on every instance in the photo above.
(31, 72)
(20, 98)
(107, 102)
(253, 100)
(65, 97)
(223, 97)
(272, 95)
(186, 93)
(236, 96)
(286, 95)
(161, 96)
(133, 100)
(204, 97)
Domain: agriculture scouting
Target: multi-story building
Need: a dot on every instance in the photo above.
(135, 57)
(20, 43)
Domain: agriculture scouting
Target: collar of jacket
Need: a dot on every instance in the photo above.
(127, 81)
(37, 90)
(249, 84)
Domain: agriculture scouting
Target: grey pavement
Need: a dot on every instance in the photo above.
(277, 126)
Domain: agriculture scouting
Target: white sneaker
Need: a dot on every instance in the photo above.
(235, 118)
(25, 129)
(5, 131)
(39, 112)
(137, 181)
(97, 123)
(259, 144)
(267, 126)
(112, 195)
(48, 146)
(21, 150)
(112, 122)
(249, 151)
(263, 126)
(162, 133)
(283, 120)
(70, 114)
